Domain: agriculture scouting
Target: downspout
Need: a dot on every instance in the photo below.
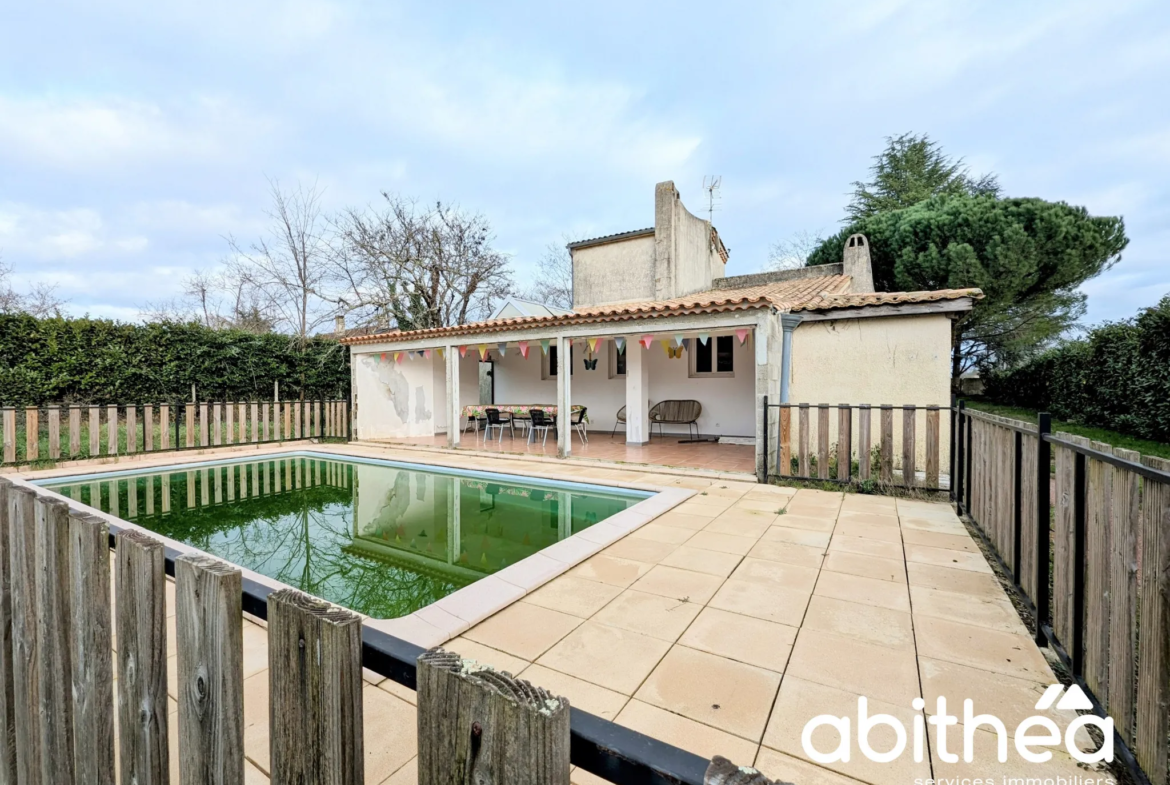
(788, 323)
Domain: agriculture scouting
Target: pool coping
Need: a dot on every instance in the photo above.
(448, 617)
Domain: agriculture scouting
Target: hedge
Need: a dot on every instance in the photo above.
(1117, 377)
(95, 361)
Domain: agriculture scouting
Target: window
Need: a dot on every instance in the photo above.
(551, 370)
(714, 358)
(617, 361)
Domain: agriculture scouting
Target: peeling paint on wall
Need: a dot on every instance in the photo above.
(421, 413)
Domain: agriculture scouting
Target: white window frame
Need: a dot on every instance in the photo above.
(692, 360)
(613, 355)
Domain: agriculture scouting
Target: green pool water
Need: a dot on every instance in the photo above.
(382, 539)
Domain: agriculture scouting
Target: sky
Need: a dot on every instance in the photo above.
(135, 137)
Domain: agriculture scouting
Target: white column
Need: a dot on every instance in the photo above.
(564, 515)
(564, 396)
(454, 410)
(454, 522)
(637, 392)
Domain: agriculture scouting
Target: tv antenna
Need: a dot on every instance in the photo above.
(711, 184)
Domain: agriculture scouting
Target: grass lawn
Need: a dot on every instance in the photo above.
(1144, 446)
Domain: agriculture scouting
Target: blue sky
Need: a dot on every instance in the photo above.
(134, 136)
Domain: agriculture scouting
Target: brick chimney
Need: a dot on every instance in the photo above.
(857, 265)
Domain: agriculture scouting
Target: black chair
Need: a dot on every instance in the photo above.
(540, 422)
(494, 421)
(579, 420)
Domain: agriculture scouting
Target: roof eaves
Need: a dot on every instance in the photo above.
(610, 238)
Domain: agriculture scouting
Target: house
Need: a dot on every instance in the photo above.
(655, 318)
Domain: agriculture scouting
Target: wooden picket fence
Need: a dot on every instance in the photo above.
(856, 443)
(1084, 528)
(56, 433)
(61, 701)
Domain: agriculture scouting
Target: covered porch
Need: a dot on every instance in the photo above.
(683, 391)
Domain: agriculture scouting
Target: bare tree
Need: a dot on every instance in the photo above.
(412, 268)
(40, 301)
(220, 300)
(284, 277)
(793, 252)
(553, 283)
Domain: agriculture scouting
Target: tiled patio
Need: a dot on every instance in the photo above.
(661, 451)
(727, 623)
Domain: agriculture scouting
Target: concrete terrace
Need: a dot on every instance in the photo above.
(725, 624)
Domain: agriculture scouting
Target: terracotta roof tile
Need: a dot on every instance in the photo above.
(804, 294)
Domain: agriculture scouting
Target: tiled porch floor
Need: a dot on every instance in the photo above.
(724, 625)
(661, 451)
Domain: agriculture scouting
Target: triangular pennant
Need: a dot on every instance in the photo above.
(678, 339)
(483, 351)
(440, 352)
(686, 344)
(592, 344)
(544, 345)
(502, 347)
(410, 356)
(703, 338)
(523, 347)
(383, 356)
(742, 335)
(647, 341)
(427, 353)
(397, 357)
(462, 351)
(620, 343)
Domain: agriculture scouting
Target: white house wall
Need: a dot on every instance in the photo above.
(394, 399)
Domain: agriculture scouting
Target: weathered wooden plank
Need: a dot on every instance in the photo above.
(1151, 745)
(7, 695)
(864, 420)
(131, 428)
(189, 435)
(254, 417)
(32, 434)
(886, 457)
(142, 659)
(265, 418)
(204, 426)
(317, 418)
(74, 431)
(1063, 538)
(932, 447)
(478, 725)
(164, 426)
(823, 441)
(909, 446)
(211, 671)
(54, 671)
(329, 418)
(315, 704)
(844, 441)
(112, 429)
(297, 405)
(1126, 512)
(95, 431)
(26, 698)
(217, 424)
(1098, 550)
(724, 772)
(785, 441)
(287, 421)
(345, 419)
(54, 432)
(89, 649)
(803, 437)
(242, 416)
(8, 422)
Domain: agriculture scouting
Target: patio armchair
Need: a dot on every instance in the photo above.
(579, 420)
(676, 413)
(621, 420)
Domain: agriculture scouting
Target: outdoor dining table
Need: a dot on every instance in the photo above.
(478, 411)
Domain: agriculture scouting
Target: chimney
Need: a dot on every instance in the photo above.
(339, 324)
(857, 265)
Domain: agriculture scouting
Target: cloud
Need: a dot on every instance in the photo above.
(59, 234)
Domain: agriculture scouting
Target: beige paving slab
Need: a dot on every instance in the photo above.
(758, 642)
(771, 603)
(867, 591)
(980, 647)
(649, 614)
(854, 666)
(985, 763)
(776, 574)
(573, 595)
(523, 630)
(993, 612)
(684, 521)
(473, 650)
(672, 535)
(701, 560)
(866, 566)
(1012, 700)
(823, 523)
(607, 656)
(866, 546)
(683, 732)
(582, 694)
(789, 553)
(954, 542)
(724, 543)
(852, 528)
(777, 765)
(781, 533)
(678, 584)
(714, 690)
(611, 570)
(740, 526)
(642, 550)
(868, 623)
(944, 557)
(978, 584)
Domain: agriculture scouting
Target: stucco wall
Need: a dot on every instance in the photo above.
(614, 272)
(884, 360)
(395, 399)
(728, 408)
(693, 268)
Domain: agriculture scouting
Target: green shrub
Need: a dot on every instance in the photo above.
(99, 362)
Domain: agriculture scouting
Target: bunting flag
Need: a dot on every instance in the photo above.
(440, 352)
(410, 356)
(686, 344)
(646, 341)
(423, 354)
(703, 338)
(544, 345)
(483, 352)
(427, 354)
(523, 347)
(502, 347)
(678, 340)
(592, 344)
(397, 357)
(741, 334)
(620, 343)
(462, 351)
(383, 357)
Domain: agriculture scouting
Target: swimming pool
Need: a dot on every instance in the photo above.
(379, 537)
